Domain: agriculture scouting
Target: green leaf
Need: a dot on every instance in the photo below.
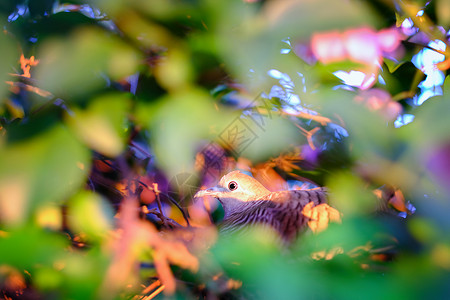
(179, 124)
(64, 273)
(45, 169)
(443, 12)
(402, 77)
(259, 32)
(428, 138)
(175, 72)
(8, 55)
(298, 19)
(368, 131)
(102, 124)
(446, 86)
(90, 214)
(26, 247)
(393, 65)
(348, 195)
(74, 66)
(262, 136)
(431, 124)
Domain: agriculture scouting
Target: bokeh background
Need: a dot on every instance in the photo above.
(114, 113)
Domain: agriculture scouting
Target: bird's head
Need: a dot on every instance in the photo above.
(234, 189)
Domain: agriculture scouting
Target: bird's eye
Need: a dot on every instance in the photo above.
(232, 185)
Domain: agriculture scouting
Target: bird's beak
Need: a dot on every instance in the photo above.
(212, 192)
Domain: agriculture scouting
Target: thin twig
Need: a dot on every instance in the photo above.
(135, 145)
(403, 95)
(163, 218)
(425, 46)
(31, 88)
(167, 221)
(158, 199)
(152, 286)
(309, 134)
(172, 200)
(322, 120)
(155, 293)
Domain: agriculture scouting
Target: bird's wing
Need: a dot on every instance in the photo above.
(317, 195)
(284, 217)
(251, 213)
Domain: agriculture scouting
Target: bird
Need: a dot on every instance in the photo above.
(246, 202)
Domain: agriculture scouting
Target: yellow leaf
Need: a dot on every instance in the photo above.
(97, 133)
(49, 216)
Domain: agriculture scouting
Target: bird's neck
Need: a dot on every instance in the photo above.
(231, 206)
(236, 202)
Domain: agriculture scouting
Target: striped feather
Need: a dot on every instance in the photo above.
(282, 211)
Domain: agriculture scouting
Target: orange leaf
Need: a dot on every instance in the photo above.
(320, 216)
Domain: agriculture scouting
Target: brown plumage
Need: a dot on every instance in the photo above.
(247, 202)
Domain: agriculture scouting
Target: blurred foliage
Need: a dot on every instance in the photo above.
(113, 113)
